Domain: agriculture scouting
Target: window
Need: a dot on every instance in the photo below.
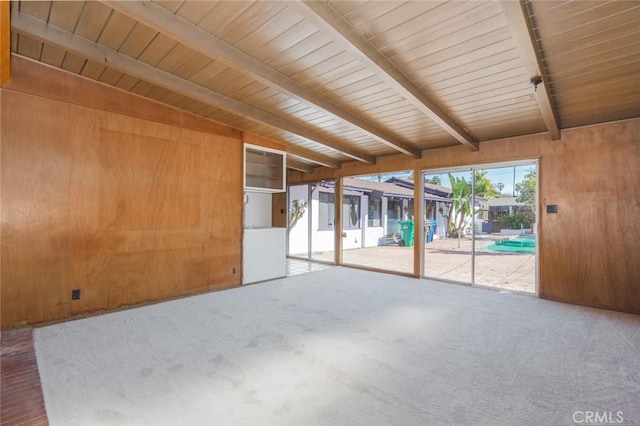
(351, 211)
(326, 213)
(394, 209)
(375, 212)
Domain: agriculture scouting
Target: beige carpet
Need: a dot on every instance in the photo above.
(344, 347)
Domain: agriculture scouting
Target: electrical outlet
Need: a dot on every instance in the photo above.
(75, 294)
(233, 270)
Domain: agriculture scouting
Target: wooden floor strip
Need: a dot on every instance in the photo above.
(21, 400)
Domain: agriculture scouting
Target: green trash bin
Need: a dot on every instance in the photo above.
(406, 231)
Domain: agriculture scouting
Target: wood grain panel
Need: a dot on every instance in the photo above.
(35, 208)
(141, 173)
(126, 209)
(585, 248)
(5, 42)
(38, 79)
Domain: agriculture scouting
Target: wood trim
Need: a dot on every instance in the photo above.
(522, 30)
(163, 21)
(39, 30)
(5, 42)
(337, 250)
(322, 14)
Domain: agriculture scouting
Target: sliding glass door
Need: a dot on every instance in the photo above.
(448, 226)
(298, 226)
(481, 225)
(311, 216)
(505, 243)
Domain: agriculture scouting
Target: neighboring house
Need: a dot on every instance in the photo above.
(437, 202)
(504, 206)
(372, 212)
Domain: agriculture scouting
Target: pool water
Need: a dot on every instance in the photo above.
(520, 244)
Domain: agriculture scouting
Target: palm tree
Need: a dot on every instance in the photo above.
(460, 207)
(484, 187)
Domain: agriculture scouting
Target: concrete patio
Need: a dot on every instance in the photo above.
(444, 260)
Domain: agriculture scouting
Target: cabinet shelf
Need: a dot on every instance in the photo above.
(264, 169)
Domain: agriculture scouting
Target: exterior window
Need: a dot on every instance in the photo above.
(351, 211)
(375, 212)
(327, 210)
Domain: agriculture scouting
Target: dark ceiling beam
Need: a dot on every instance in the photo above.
(39, 30)
(176, 28)
(327, 20)
(524, 36)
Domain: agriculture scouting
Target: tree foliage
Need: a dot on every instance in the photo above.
(461, 210)
(527, 190)
(434, 180)
(485, 188)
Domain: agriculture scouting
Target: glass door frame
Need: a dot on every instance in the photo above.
(309, 185)
(473, 168)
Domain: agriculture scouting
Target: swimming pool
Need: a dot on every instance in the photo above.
(520, 244)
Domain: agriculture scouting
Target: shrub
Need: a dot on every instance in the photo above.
(516, 221)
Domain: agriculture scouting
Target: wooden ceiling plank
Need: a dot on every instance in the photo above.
(29, 47)
(41, 31)
(299, 165)
(38, 9)
(5, 42)
(65, 14)
(522, 30)
(92, 70)
(52, 55)
(188, 34)
(116, 30)
(326, 19)
(92, 20)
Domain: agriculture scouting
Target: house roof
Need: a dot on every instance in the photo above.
(502, 202)
(382, 188)
(386, 189)
(428, 187)
(352, 81)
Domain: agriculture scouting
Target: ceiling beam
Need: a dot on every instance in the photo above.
(5, 42)
(299, 165)
(324, 17)
(39, 30)
(313, 157)
(174, 27)
(522, 31)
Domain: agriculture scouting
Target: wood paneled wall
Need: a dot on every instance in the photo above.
(588, 250)
(5, 42)
(126, 209)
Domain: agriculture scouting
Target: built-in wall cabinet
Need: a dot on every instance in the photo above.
(264, 246)
(264, 169)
